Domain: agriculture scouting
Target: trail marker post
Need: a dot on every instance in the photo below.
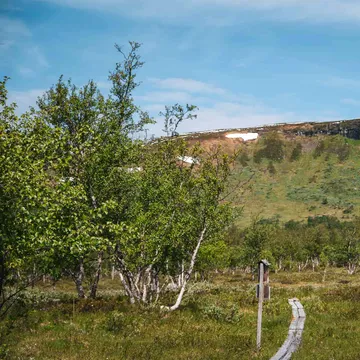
(263, 293)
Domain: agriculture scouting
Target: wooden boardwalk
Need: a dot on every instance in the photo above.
(296, 329)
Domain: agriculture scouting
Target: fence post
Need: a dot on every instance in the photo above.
(263, 293)
(261, 299)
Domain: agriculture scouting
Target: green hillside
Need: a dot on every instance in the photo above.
(310, 176)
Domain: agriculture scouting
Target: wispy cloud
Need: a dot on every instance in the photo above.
(11, 30)
(189, 85)
(9, 7)
(234, 115)
(223, 12)
(225, 111)
(24, 99)
(337, 81)
(105, 85)
(26, 72)
(38, 57)
(154, 108)
(5, 44)
(165, 97)
(349, 101)
(227, 115)
(13, 26)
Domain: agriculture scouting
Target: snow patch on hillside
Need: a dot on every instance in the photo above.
(245, 137)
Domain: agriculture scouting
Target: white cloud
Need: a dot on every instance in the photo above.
(5, 44)
(189, 85)
(165, 97)
(24, 99)
(26, 72)
(223, 115)
(350, 101)
(13, 26)
(154, 108)
(10, 31)
(105, 85)
(10, 7)
(171, 97)
(234, 115)
(222, 12)
(337, 81)
(38, 57)
(218, 108)
(233, 111)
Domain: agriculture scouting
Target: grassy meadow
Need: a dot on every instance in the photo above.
(216, 321)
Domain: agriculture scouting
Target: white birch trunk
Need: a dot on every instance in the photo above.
(113, 272)
(182, 273)
(127, 289)
(94, 285)
(188, 275)
(351, 269)
(79, 280)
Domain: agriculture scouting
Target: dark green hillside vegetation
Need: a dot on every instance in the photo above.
(272, 148)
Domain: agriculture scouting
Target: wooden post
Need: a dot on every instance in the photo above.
(261, 299)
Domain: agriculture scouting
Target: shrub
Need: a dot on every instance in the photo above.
(273, 148)
(271, 168)
(331, 222)
(320, 148)
(258, 156)
(115, 321)
(349, 209)
(296, 153)
(336, 145)
(244, 158)
(3, 351)
(220, 314)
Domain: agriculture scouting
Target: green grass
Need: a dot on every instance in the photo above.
(217, 321)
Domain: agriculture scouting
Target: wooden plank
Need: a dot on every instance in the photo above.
(296, 328)
(284, 348)
(300, 309)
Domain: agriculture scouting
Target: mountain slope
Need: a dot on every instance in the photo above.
(321, 178)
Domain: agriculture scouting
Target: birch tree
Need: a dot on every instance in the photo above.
(27, 160)
(76, 186)
(99, 134)
(172, 208)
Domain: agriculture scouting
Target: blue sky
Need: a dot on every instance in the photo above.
(242, 62)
